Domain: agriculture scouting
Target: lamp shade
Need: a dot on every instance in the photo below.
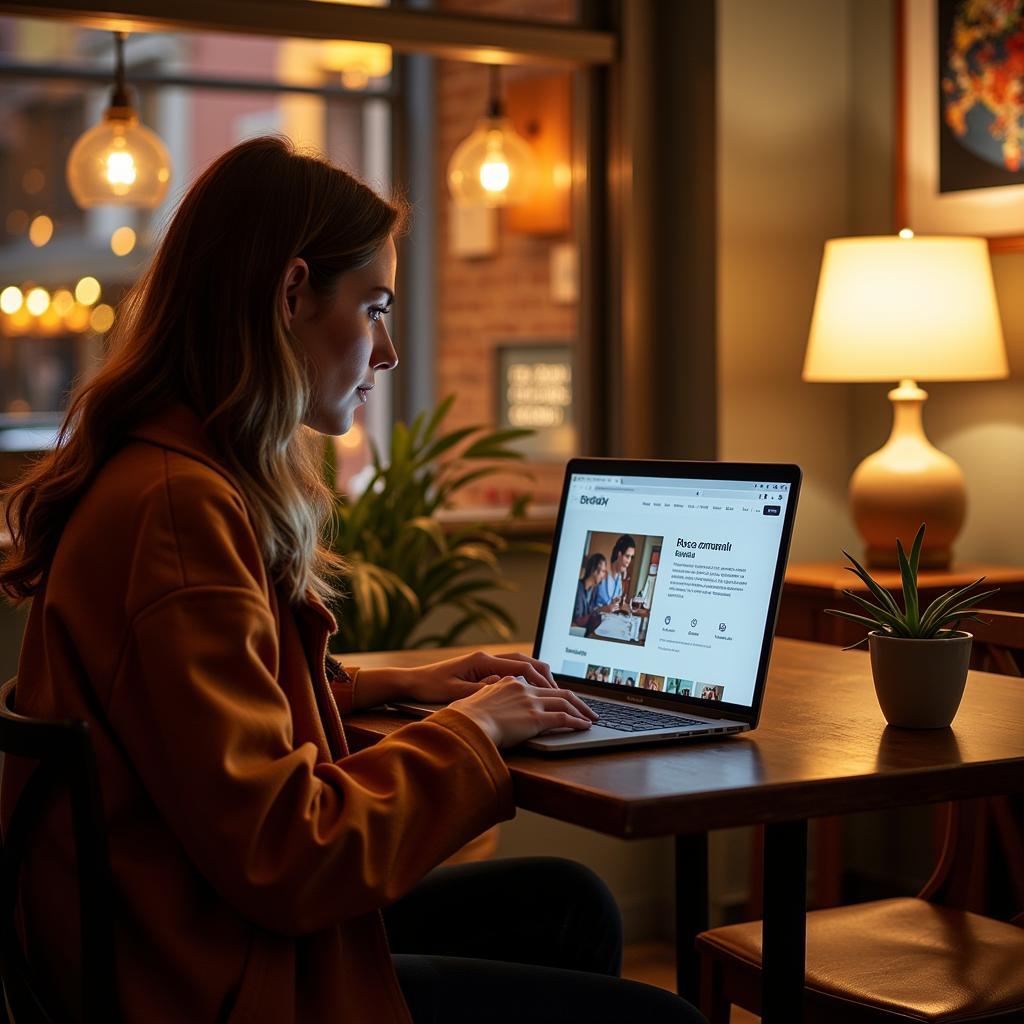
(119, 162)
(493, 166)
(892, 308)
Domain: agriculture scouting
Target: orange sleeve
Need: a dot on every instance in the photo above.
(342, 680)
(294, 845)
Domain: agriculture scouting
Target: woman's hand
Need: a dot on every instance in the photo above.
(450, 680)
(445, 681)
(511, 711)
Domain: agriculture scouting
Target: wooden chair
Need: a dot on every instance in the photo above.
(999, 642)
(952, 954)
(916, 959)
(65, 762)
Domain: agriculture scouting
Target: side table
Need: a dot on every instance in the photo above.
(810, 588)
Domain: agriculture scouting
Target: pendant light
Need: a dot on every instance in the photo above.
(494, 165)
(119, 162)
(358, 62)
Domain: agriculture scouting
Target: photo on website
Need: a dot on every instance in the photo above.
(598, 673)
(625, 677)
(684, 687)
(649, 682)
(615, 588)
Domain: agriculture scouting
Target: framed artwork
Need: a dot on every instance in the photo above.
(960, 119)
(535, 389)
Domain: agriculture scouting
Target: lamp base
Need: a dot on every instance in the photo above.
(907, 482)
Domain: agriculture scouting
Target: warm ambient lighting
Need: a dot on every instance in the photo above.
(494, 165)
(87, 291)
(63, 302)
(122, 241)
(40, 231)
(356, 61)
(906, 309)
(77, 318)
(119, 162)
(37, 301)
(102, 318)
(11, 299)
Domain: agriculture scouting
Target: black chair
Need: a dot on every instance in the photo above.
(62, 751)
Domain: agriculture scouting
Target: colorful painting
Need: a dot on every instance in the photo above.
(961, 127)
(981, 104)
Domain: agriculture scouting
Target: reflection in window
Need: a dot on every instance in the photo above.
(52, 327)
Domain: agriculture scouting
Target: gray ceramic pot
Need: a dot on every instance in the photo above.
(919, 683)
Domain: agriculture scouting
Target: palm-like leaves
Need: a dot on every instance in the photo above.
(885, 614)
(404, 566)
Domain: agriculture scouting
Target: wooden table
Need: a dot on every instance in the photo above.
(822, 748)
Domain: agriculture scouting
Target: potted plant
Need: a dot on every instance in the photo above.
(919, 658)
(412, 581)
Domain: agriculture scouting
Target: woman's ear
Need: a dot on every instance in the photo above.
(295, 290)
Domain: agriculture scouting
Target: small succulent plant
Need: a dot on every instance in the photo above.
(943, 615)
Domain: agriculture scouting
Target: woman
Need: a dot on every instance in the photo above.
(170, 545)
(594, 570)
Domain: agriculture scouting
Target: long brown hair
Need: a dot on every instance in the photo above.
(204, 327)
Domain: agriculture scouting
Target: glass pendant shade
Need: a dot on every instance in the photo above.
(119, 162)
(493, 166)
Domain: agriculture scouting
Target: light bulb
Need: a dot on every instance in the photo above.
(121, 173)
(493, 166)
(119, 162)
(494, 174)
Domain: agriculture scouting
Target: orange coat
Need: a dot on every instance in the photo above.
(250, 850)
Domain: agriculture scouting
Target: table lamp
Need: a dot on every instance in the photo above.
(906, 309)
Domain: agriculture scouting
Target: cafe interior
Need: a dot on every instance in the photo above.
(716, 230)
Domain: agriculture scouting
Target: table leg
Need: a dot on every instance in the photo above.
(691, 874)
(784, 937)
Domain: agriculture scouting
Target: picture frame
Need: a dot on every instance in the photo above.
(954, 174)
(535, 388)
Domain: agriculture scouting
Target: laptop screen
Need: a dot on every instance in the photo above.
(664, 583)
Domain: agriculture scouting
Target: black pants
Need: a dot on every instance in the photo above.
(533, 940)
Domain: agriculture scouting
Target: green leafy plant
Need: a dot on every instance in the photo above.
(412, 581)
(943, 615)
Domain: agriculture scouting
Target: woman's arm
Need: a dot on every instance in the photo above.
(294, 843)
(443, 681)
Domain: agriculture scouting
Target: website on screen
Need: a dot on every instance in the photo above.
(665, 584)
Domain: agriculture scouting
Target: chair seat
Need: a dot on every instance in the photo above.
(906, 956)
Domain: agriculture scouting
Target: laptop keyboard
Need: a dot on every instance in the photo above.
(626, 718)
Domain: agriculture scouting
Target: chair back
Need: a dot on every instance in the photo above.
(64, 762)
(999, 641)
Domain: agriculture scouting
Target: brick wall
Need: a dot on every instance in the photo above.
(499, 298)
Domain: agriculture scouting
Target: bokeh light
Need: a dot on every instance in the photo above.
(37, 301)
(40, 231)
(102, 318)
(122, 241)
(87, 291)
(11, 299)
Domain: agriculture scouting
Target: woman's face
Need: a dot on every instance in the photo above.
(344, 336)
(600, 572)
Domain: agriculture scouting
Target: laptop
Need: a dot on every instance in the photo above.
(662, 595)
